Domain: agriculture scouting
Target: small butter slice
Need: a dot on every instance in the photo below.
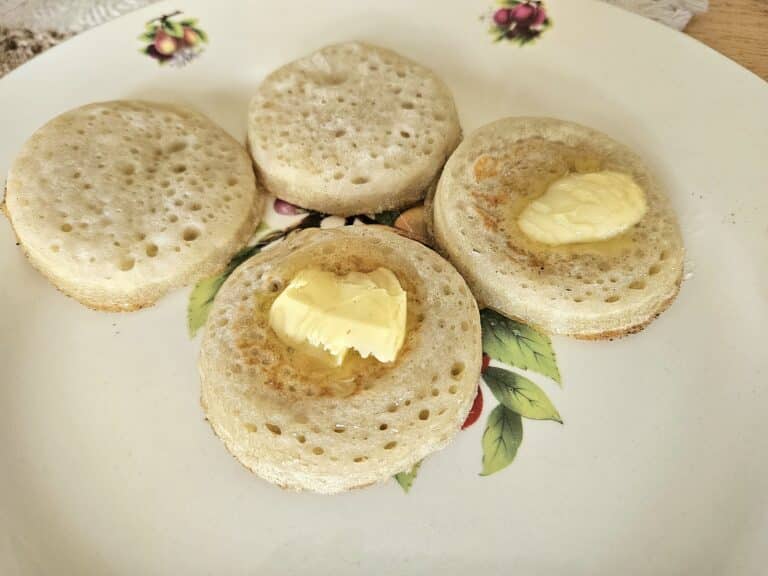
(321, 311)
(584, 208)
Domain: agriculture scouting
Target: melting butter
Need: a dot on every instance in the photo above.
(326, 315)
(584, 208)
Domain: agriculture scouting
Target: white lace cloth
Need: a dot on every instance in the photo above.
(79, 15)
(674, 13)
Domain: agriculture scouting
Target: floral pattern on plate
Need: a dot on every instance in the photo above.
(173, 39)
(520, 21)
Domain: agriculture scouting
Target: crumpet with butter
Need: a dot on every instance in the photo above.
(340, 357)
(560, 226)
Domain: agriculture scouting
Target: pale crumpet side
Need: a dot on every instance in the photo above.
(119, 202)
(351, 129)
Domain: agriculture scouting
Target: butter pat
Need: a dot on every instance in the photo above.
(324, 314)
(584, 208)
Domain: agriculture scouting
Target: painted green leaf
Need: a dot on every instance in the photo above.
(517, 344)
(387, 217)
(244, 254)
(173, 28)
(520, 395)
(204, 292)
(147, 37)
(202, 34)
(405, 479)
(501, 439)
(200, 302)
(151, 27)
(188, 22)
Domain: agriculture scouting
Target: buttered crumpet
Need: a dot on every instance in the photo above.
(339, 358)
(560, 226)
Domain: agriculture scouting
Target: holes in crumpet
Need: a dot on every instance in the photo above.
(177, 146)
(190, 234)
(126, 263)
(126, 168)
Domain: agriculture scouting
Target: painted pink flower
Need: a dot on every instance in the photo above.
(520, 20)
(524, 14)
(502, 17)
(286, 209)
(529, 15)
(541, 18)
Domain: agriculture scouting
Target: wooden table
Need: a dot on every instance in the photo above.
(738, 29)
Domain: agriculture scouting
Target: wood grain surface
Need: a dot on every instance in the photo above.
(738, 29)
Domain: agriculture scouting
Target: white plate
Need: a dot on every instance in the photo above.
(660, 468)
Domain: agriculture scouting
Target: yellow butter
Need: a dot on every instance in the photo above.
(321, 312)
(584, 208)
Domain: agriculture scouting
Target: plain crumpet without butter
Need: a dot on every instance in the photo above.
(351, 129)
(307, 424)
(119, 202)
(599, 252)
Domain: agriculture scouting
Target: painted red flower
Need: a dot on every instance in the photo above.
(475, 411)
